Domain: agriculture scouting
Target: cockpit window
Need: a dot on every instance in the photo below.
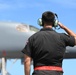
(22, 28)
(32, 28)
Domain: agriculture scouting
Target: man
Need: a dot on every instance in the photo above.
(46, 48)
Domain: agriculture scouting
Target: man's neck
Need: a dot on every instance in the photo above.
(47, 26)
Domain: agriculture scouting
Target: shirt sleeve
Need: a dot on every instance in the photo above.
(28, 48)
(69, 40)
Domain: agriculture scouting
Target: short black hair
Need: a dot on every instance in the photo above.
(48, 17)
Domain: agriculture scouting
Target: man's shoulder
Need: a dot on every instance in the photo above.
(64, 34)
(35, 34)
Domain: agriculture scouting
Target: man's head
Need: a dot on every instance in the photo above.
(48, 18)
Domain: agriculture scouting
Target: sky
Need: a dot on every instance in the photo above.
(28, 11)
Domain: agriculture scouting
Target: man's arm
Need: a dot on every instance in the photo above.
(27, 63)
(68, 31)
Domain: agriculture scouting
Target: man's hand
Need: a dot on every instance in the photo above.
(61, 25)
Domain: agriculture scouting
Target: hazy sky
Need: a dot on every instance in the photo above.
(28, 11)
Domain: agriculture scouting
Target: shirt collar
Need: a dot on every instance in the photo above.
(46, 29)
